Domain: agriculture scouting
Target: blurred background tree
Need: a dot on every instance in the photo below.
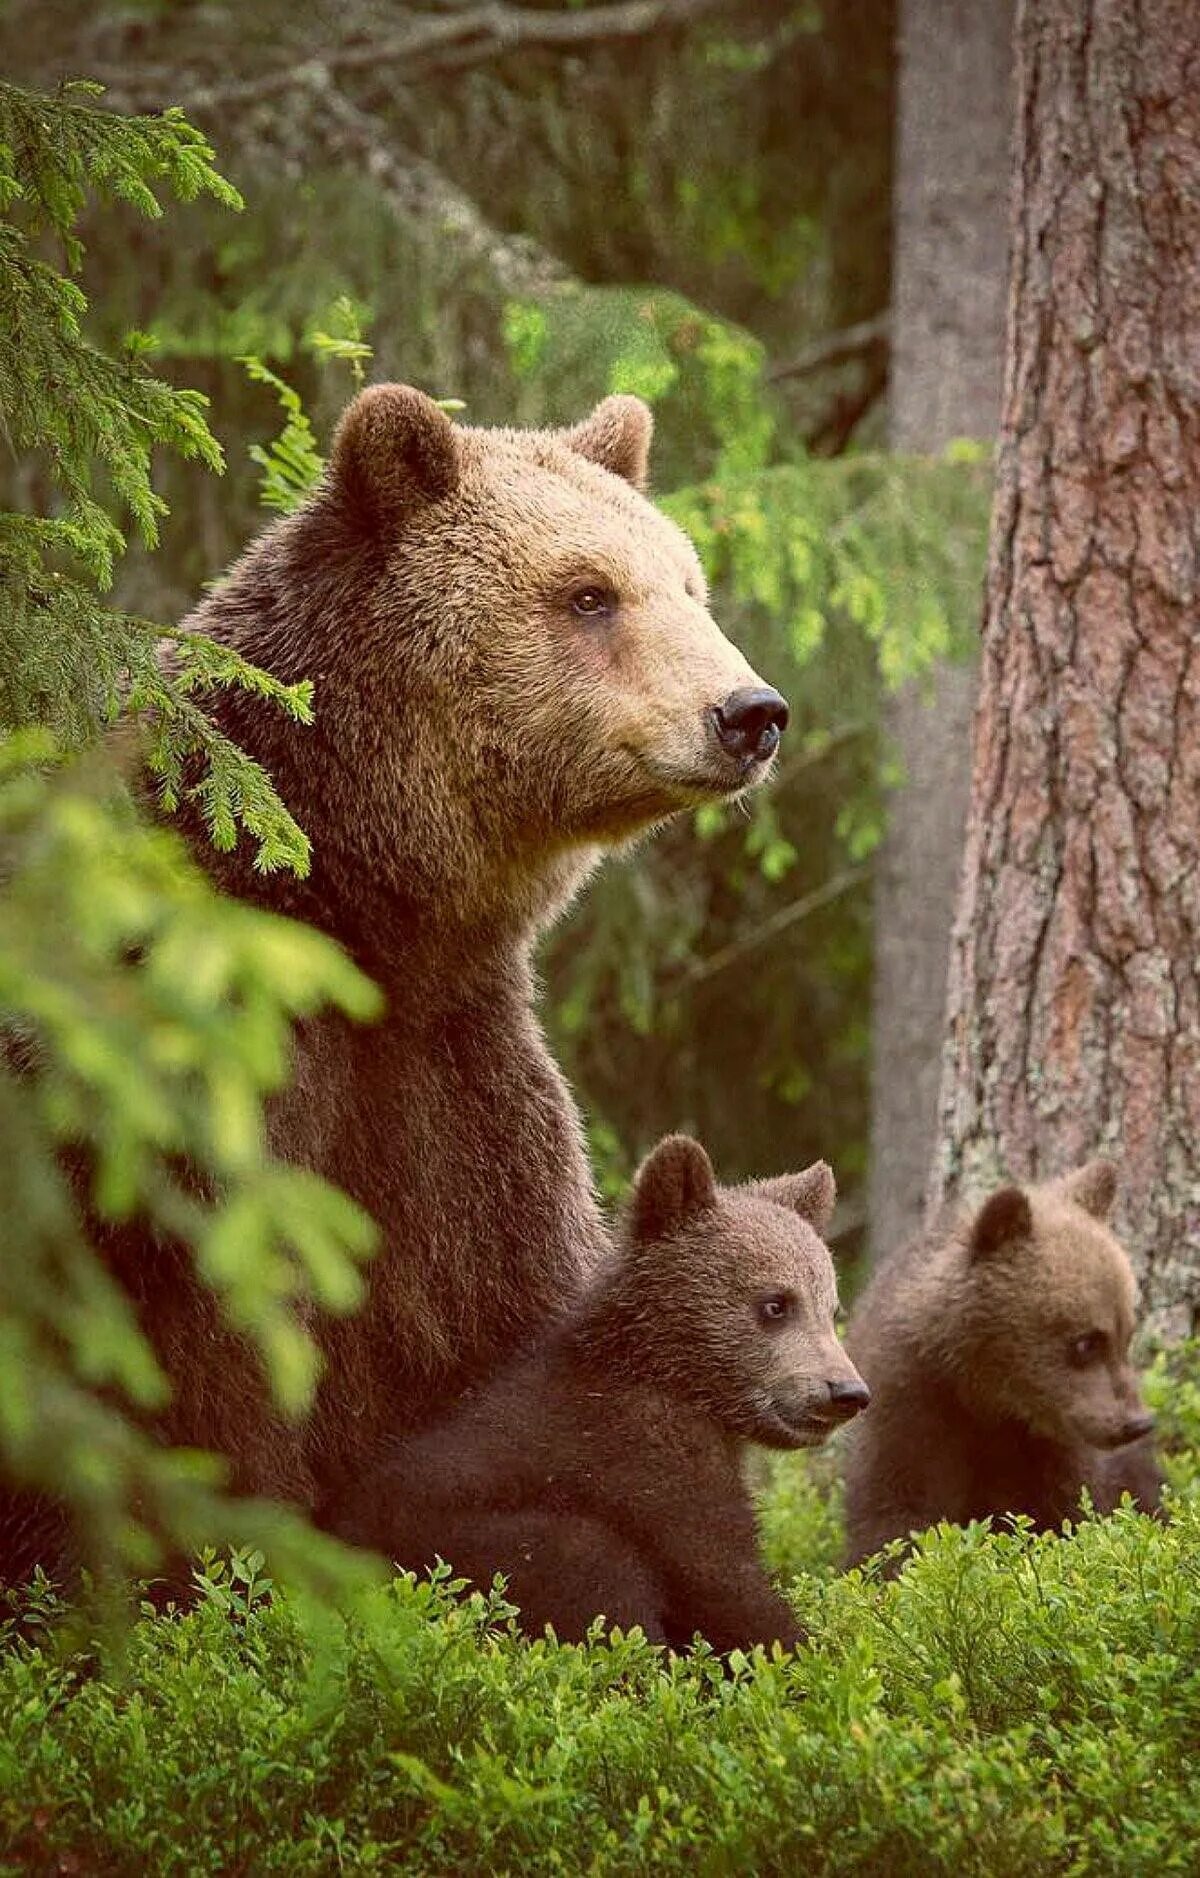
(1074, 1010)
(527, 207)
(950, 283)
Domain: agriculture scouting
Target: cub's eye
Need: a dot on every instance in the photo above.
(593, 602)
(1086, 1349)
(776, 1308)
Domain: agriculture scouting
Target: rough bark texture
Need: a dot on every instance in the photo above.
(1074, 1016)
(949, 276)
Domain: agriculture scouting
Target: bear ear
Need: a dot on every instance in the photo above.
(1001, 1221)
(812, 1194)
(1093, 1187)
(393, 449)
(617, 437)
(674, 1185)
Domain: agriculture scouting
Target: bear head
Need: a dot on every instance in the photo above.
(727, 1298)
(1037, 1328)
(545, 672)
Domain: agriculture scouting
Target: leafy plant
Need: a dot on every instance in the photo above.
(1007, 1704)
(144, 1020)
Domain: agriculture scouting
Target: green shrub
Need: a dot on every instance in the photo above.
(1007, 1705)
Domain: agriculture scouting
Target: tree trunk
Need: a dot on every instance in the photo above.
(1074, 1009)
(949, 273)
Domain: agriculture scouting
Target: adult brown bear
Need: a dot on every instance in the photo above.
(515, 669)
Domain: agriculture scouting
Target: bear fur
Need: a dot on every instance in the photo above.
(997, 1355)
(603, 1473)
(515, 669)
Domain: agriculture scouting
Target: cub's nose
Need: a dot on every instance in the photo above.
(847, 1398)
(1137, 1426)
(751, 722)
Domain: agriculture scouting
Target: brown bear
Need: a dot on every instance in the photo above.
(603, 1473)
(997, 1355)
(515, 669)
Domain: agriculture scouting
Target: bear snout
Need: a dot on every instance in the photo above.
(847, 1399)
(1136, 1427)
(823, 1405)
(751, 721)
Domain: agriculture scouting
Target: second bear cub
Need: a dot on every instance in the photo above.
(603, 1474)
(998, 1357)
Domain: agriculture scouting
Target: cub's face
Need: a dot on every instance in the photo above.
(1052, 1314)
(558, 623)
(749, 1293)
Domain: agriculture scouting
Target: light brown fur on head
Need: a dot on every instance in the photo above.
(509, 735)
(727, 1296)
(1029, 1303)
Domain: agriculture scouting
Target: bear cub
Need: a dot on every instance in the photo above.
(602, 1474)
(998, 1361)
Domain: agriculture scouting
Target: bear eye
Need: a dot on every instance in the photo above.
(593, 601)
(776, 1307)
(1087, 1349)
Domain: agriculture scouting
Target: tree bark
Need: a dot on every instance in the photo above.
(1074, 1005)
(949, 276)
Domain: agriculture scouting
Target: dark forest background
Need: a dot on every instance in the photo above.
(688, 201)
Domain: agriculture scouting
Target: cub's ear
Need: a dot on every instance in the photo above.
(1001, 1221)
(1093, 1187)
(617, 437)
(812, 1194)
(393, 449)
(674, 1185)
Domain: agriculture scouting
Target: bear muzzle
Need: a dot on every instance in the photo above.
(847, 1399)
(813, 1417)
(750, 723)
(1135, 1428)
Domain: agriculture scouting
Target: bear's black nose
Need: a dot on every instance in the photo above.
(1137, 1426)
(847, 1398)
(751, 722)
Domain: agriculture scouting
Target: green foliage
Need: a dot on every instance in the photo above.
(1172, 1387)
(292, 463)
(887, 546)
(1007, 1704)
(800, 1514)
(151, 1030)
(89, 421)
(83, 410)
(144, 1020)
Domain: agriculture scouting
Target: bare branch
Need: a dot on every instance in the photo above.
(418, 192)
(853, 342)
(790, 915)
(431, 42)
(835, 739)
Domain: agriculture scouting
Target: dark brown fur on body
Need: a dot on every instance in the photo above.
(481, 738)
(476, 746)
(603, 1474)
(997, 1358)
